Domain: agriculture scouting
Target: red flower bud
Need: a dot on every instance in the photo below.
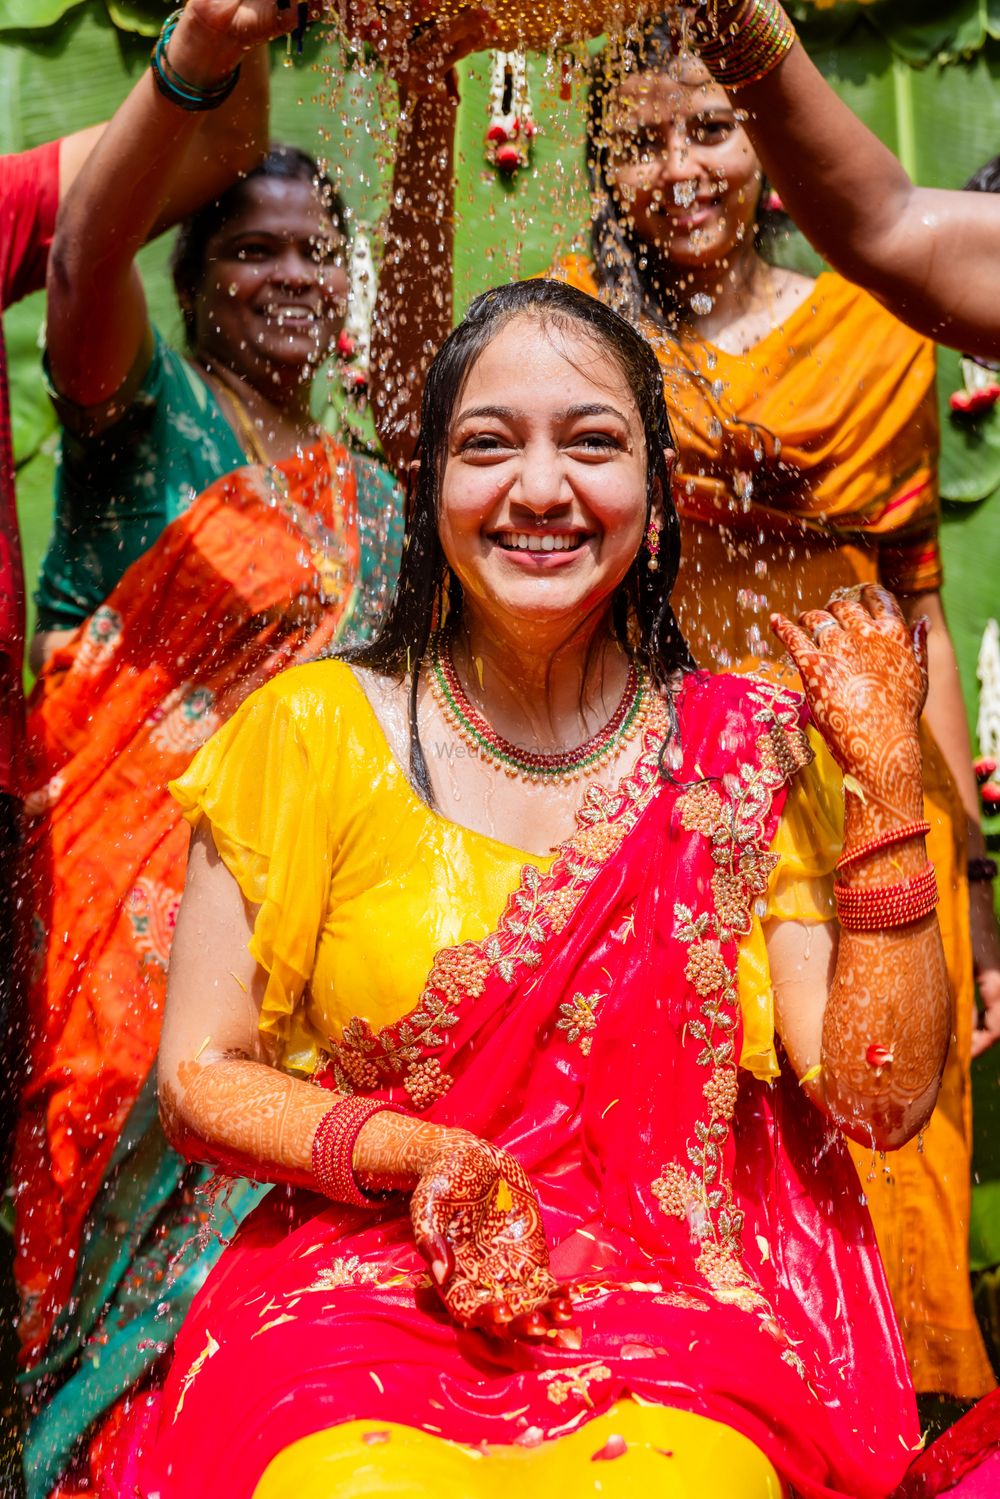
(878, 1056)
(497, 132)
(345, 344)
(990, 794)
(508, 158)
(984, 768)
(972, 402)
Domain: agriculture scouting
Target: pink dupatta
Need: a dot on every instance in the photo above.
(711, 1225)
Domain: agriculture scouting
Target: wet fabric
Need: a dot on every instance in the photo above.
(267, 567)
(805, 465)
(29, 198)
(117, 488)
(722, 1259)
(640, 1449)
(964, 1463)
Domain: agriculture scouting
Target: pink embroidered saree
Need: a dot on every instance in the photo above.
(711, 1226)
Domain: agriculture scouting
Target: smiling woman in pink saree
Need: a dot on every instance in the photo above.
(581, 1206)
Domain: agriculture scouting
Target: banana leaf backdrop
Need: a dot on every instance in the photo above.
(922, 74)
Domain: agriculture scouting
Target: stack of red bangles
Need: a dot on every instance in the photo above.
(876, 908)
(333, 1149)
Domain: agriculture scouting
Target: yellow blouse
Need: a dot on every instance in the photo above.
(358, 883)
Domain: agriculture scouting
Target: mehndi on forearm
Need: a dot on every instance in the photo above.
(249, 1119)
(887, 1022)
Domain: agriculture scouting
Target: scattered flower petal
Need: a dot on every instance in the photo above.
(615, 1446)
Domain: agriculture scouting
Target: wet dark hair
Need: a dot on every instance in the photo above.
(986, 179)
(187, 260)
(621, 262)
(642, 618)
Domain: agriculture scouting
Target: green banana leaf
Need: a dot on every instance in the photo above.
(970, 446)
(917, 31)
(143, 16)
(34, 16)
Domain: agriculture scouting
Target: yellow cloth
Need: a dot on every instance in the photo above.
(359, 883)
(672, 1454)
(833, 417)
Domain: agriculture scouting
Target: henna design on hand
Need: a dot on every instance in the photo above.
(887, 1020)
(392, 1150)
(478, 1223)
(865, 679)
(886, 1031)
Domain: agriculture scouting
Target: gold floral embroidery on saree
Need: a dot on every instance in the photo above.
(575, 1381)
(539, 909)
(733, 819)
(578, 1018)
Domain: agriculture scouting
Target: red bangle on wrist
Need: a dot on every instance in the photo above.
(333, 1149)
(884, 840)
(879, 908)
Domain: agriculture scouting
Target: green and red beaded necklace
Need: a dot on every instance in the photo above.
(534, 765)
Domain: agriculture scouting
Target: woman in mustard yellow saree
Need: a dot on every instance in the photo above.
(807, 447)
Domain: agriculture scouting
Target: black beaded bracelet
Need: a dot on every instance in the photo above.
(982, 870)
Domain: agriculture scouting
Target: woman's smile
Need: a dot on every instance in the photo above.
(541, 548)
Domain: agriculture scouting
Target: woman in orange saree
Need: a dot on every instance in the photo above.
(267, 567)
(807, 444)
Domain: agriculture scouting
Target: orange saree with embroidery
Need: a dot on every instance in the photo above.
(805, 465)
(267, 567)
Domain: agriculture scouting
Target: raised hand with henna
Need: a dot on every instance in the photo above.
(865, 679)
(886, 1020)
(477, 1221)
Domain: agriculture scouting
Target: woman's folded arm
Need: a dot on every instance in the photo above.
(220, 1101)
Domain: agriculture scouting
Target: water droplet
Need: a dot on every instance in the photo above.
(685, 193)
(702, 303)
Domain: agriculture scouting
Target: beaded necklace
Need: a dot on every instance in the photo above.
(533, 765)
